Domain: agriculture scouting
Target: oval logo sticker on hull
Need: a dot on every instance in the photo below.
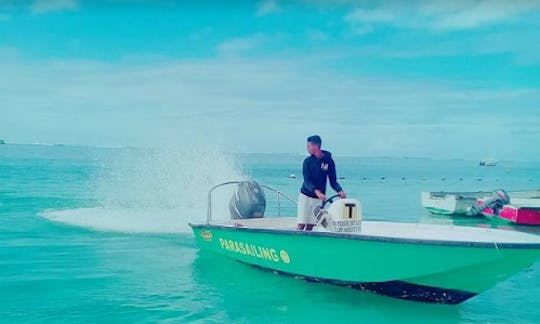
(206, 235)
(285, 256)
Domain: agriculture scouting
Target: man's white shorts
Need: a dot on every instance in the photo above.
(306, 209)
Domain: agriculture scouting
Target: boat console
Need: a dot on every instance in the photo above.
(343, 216)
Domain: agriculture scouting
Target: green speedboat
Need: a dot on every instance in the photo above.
(420, 262)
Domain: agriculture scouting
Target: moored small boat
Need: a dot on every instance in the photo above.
(450, 203)
(521, 207)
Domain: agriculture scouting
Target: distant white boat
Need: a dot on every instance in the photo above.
(488, 162)
(292, 176)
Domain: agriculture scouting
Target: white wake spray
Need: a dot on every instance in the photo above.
(154, 191)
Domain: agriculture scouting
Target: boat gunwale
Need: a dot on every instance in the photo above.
(517, 207)
(376, 238)
(523, 207)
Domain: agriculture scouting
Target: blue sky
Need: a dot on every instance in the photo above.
(456, 79)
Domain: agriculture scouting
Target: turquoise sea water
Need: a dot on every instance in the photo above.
(100, 235)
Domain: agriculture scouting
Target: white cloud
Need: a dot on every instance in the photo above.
(514, 43)
(46, 6)
(238, 103)
(316, 35)
(241, 44)
(378, 15)
(267, 7)
(441, 15)
(482, 13)
(518, 28)
(201, 33)
(7, 53)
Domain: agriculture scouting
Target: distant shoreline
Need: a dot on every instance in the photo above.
(178, 147)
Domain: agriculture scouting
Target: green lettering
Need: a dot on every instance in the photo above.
(265, 253)
(274, 255)
(253, 250)
(259, 253)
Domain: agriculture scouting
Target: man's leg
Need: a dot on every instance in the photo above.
(301, 216)
(312, 207)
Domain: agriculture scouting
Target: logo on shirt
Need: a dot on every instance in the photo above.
(324, 166)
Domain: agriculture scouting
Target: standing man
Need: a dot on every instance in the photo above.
(316, 169)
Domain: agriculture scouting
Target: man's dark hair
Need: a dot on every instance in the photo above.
(315, 139)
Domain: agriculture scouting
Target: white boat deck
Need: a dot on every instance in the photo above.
(413, 231)
(525, 202)
(532, 194)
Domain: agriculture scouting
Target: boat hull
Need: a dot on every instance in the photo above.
(433, 271)
(522, 215)
(448, 203)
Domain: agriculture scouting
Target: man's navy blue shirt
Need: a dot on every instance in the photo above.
(316, 171)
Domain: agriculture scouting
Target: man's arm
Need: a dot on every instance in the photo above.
(333, 178)
(307, 178)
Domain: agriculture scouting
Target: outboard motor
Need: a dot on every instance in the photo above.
(496, 202)
(248, 201)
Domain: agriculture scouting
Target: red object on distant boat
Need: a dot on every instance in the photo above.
(519, 211)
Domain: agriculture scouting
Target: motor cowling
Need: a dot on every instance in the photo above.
(248, 201)
(495, 202)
